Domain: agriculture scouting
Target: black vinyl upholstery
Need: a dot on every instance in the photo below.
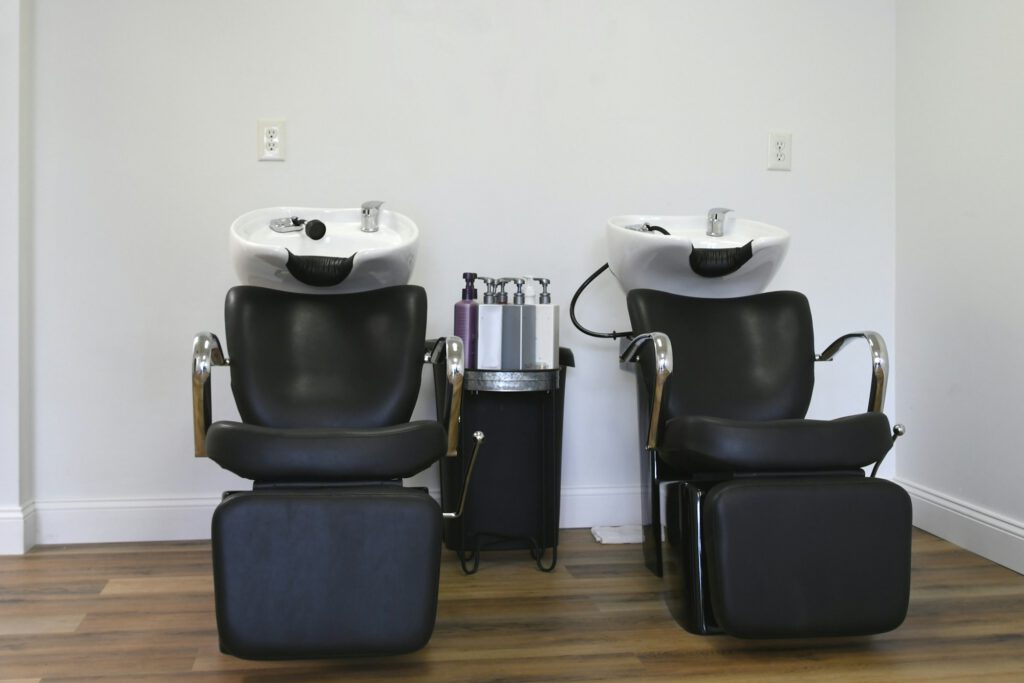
(702, 444)
(326, 360)
(321, 559)
(266, 454)
(748, 358)
(773, 530)
(821, 557)
(326, 573)
(325, 385)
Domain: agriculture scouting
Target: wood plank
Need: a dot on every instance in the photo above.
(36, 624)
(167, 585)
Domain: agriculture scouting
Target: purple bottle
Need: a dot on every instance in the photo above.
(467, 320)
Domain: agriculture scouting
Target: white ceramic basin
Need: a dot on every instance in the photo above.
(363, 260)
(651, 260)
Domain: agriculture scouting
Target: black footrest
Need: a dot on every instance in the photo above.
(326, 573)
(808, 557)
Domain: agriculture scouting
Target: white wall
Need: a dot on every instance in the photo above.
(15, 470)
(10, 503)
(508, 131)
(959, 244)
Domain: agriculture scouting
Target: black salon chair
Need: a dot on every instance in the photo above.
(772, 529)
(328, 555)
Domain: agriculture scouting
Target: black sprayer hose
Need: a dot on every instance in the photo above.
(572, 305)
(572, 310)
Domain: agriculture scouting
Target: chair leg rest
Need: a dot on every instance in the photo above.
(808, 557)
(326, 573)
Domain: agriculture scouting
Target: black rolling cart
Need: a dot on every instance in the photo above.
(513, 500)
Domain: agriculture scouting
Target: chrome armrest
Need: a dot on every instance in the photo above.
(206, 352)
(455, 370)
(662, 367)
(879, 364)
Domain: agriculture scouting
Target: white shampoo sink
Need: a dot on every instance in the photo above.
(344, 259)
(689, 261)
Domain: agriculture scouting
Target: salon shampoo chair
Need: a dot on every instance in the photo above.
(772, 529)
(328, 555)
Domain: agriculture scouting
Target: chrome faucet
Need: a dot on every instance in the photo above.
(371, 211)
(716, 221)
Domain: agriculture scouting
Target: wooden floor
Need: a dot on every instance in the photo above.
(144, 611)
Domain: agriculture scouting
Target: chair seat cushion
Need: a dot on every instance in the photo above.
(268, 454)
(699, 444)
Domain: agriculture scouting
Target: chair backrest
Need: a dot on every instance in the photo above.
(326, 360)
(746, 358)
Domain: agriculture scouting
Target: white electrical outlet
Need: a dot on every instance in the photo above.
(780, 151)
(270, 140)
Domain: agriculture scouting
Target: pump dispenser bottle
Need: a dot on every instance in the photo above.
(545, 330)
(467, 320)
(488, 355)
(512, 328)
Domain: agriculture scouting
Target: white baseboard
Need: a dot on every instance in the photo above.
(31, 528)
(589, 506)
(985, 532)
(174, 519)
(12, 531)
(117, 520)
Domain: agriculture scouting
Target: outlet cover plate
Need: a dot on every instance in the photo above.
(270, 137)
(780, 151)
